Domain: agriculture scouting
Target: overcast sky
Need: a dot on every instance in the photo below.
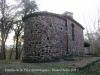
(84, 11)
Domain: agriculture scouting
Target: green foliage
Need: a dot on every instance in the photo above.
(10, 54)
(29, 6)
(96, 46)
(0, 56)
(94, 40)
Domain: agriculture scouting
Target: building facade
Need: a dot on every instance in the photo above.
(49, 36)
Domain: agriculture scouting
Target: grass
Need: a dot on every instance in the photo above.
(16, 67)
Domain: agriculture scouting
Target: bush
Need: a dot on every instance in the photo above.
(10, 54)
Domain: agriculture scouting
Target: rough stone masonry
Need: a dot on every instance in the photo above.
(49, 36)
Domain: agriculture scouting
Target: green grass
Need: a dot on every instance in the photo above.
(46, 68)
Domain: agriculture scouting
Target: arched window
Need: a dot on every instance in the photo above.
(73, 36)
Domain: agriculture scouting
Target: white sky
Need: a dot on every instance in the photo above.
(88, 8)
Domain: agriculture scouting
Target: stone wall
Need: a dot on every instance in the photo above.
(76, 46)
(45, 36)
(49, 36)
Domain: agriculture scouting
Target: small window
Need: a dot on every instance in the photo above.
(47, 38)
(36, 42)
(73, 36)
(60, 40)
(46, 46)
(50, 25)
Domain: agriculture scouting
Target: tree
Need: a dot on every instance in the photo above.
(94, 36)
(18, 30)
(5, 25)
(27, 7)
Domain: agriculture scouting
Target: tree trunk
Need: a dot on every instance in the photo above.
(3, 51)
(3, 42)
(20, 53)
(10, 57)
(16, 48)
